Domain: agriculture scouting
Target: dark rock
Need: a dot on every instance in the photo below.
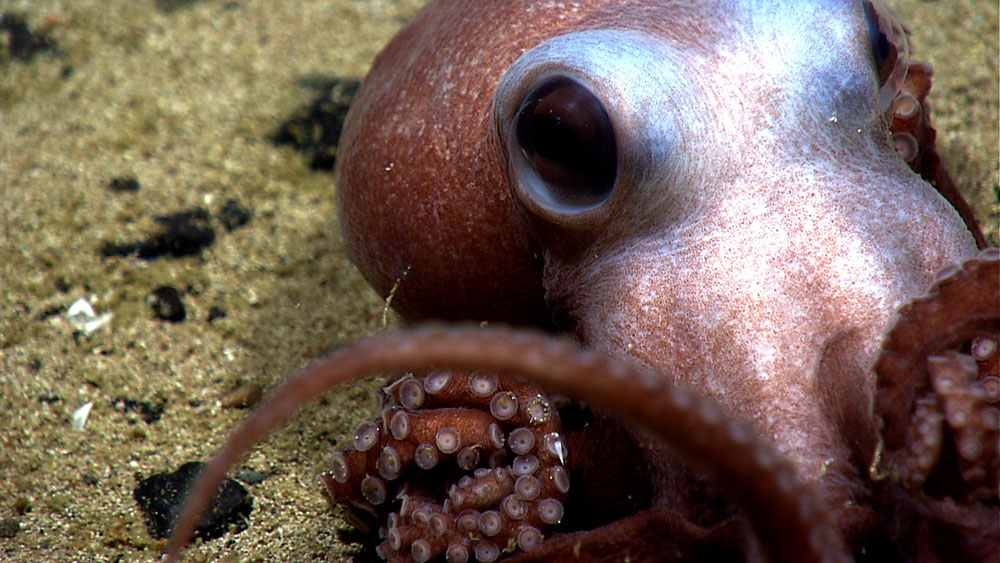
(22, 43)
(49, 312)
(315, 130)
(250, 477)
(183, 233)
(162, 496)
(9, 527)
(62, 284)
(124, 184)
(149, 412)
(168, 6)
(166, 303)
(215, 313)
(234, 214)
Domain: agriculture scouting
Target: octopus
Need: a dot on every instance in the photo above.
(752, 318)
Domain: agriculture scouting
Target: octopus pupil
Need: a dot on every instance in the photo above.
(565, 133)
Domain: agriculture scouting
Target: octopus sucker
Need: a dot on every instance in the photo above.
(453, 442)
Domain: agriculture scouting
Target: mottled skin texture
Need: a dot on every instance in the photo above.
(761, 233)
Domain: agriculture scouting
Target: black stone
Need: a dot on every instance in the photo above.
(167, 305)
(124, 184)
(215, 313)
(250, 477)
(168, 6)
(9, 527)
(149, 412)
(234, 214)
(50, 312)
(161, 497)
(314, 130)
(22, 43)
(182, 234)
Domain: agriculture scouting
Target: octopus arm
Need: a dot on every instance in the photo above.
(939, 401)
(787, 515)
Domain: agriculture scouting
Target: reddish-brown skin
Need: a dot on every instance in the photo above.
(750, 251)
(436, 178)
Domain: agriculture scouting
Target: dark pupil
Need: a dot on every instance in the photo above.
(566, 135)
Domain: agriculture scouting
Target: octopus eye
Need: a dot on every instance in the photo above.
(566, 139)
(889, 47)
(881, 47)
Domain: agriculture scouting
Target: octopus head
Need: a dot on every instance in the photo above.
(730, 208)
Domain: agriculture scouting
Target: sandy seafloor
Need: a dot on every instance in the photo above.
(183, 96)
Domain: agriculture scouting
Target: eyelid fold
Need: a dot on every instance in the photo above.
(890, 48)
(638, 81)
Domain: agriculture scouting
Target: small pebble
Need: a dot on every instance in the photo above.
(166, 303)
(78, 420)
(250, 477)
(124, 184)
(234, 214)
(246, 395)
(9, 527)
(149, 412)
(215, 313)
(21, 505)
(82, 315)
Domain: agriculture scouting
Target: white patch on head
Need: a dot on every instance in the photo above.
(806, 61)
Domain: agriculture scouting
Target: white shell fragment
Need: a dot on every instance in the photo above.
(83, 317)
(79, 418)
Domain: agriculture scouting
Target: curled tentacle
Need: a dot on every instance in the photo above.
(785, 513)
(961, 314)
(434, 469)
(939, 400)
(915, 137)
